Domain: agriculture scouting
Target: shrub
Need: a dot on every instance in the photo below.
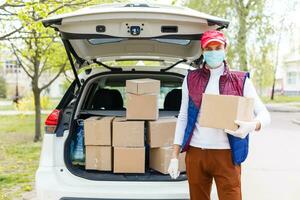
(27, 103)
(2, 87)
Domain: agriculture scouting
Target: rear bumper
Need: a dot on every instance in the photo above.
(58, 183)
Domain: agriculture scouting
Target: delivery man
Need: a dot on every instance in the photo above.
(214, 153)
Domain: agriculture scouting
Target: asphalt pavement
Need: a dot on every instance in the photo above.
(272, 169)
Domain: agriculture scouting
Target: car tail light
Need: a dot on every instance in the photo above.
(52, 121)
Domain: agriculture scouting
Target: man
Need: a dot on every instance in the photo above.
(214, 153)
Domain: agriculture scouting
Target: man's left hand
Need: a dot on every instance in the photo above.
(244, 128)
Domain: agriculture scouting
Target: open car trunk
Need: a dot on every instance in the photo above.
(83, 109)
(112, 32)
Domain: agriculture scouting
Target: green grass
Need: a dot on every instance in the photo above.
(27, 104)
(19, 155)
(7, 107)
(281, 99)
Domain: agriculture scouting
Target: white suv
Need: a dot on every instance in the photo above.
(165, 37)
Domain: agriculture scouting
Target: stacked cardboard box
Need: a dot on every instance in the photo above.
(142, 104)
(160, 137)
(128, 144)
(97, 133)
(160, 133)
(126, 136)
(142, 99)
(160, 159)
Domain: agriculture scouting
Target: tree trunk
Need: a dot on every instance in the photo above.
(37, 105)
(242, 44)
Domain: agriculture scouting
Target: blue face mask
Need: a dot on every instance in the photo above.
(214, 58)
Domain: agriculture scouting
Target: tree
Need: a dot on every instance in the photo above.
(243, 16)
(38, 49)
(263, 67)
(7, 15)
(249, 13)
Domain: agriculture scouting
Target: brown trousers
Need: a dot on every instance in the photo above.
(202, 165)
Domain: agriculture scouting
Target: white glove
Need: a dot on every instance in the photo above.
(173, 168)
(244, 128)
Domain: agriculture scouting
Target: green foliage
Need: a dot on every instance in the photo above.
(2, 87)
(40, 52)
(261, 57)
(282, 99)
(212, 7)
(27, 103)
(263, 75)
(19, 156)
(66, 84)
(245, 17)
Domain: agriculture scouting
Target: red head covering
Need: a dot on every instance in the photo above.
(212, 35)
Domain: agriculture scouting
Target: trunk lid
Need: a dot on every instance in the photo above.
(133, 31)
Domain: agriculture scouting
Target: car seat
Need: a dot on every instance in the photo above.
(106, 99)
(173, 100)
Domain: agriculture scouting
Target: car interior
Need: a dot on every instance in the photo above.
(107, 93)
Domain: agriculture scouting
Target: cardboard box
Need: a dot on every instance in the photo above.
(98, 158)
(161, 133)
(143, 86)
(142, 107)
(129, 159)
(128, 133)
(97, 131)
(160, 159)
(220, 111)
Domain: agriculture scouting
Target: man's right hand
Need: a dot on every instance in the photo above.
(173, 168)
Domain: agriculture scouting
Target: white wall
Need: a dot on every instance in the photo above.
(292, 76)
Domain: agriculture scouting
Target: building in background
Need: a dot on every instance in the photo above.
(18, 82)
(288, 81)
(291, 76)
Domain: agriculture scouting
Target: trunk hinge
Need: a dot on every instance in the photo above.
(69, 50)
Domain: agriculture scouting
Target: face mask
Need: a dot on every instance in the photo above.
(214, 58)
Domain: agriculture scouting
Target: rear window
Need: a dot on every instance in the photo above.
(164, 90)
(117, 85)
